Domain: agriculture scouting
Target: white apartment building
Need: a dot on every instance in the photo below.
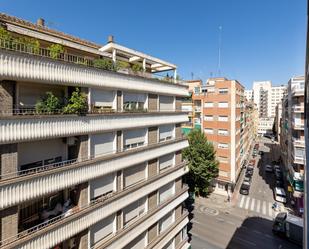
(249, 95)
(107, 174)
(292, 140)
(266, 97)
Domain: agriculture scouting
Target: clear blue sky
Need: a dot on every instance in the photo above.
(261, 39)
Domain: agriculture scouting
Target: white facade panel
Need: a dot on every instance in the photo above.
(166, 221)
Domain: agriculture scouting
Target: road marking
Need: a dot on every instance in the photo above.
(270, 210)
(258, 206)
(242, 201)
(252, 204)
(264, 207)
(247, 202)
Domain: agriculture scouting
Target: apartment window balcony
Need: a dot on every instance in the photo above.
(86, 61)
(68, 224)
(28, 128)
(298, 89)
(298, 142)
(298, 108)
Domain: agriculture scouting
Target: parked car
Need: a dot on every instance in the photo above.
(279, 183)
(269, 168)
(247, 179)
(280, 195)
(278, 175)
(244, 188)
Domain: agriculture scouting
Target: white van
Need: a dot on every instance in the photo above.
(280, 195)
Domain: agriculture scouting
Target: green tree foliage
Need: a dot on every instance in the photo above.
(203, 165)
(4, 34)
(77, 103)
(30, 45)
(55, 50)
(48, 104)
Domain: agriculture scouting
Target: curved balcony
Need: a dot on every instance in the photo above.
(48, 235)
(24, 188)
(15, 65)
(15, 129)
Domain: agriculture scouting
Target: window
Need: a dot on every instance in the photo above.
(102, 229)
(223, 90)
(166, 192)
(208, 104)
(166, 161)
(222, 159)
(208, 118)
(134, 210)
(166, 221)
(223, 173)
(223, 146)
(166, 132)
(223, 118)
(134, 138)
(134, 174)
(102, 186)
(103, 99)
(166, 103)
(209, 131)
(134, 101)
(102, 144)
(223, 132)
(223, 104)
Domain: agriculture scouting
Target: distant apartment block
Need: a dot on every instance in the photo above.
(188, 106)
(249, 95)
(267, 97)
(292, 141)
(227, 121)
(109, 176)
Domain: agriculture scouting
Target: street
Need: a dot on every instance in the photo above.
(247, 221)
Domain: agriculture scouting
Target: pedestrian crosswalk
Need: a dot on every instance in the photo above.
(255, 205)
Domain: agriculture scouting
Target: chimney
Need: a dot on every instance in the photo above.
(40, 22)
(110, 39)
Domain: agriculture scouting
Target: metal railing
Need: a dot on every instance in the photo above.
(31, 111)
(17, 46)
(40, 169)
(54, 220)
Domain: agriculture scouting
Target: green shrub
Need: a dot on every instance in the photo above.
(48, 104)
(77, 103)
(106, 64)
(137, 67)
(122, 65)
(4, 34)
(31, 45)
(55, 50)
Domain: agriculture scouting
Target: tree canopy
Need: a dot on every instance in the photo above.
(202, 163)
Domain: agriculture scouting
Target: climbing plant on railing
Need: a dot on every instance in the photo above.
(55, 50)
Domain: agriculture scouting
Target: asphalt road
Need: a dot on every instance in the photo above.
(248, 223)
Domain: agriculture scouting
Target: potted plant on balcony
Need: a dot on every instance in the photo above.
(55, 50)
(77, 103)
(105, 63)
(137, 69)
(48, 104)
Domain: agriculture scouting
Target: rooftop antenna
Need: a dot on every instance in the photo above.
(192, 75)
(219, 50)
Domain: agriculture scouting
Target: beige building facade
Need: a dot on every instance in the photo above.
(109, 176)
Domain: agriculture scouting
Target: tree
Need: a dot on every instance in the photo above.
(203, 166)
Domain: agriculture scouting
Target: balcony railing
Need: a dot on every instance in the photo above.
(298, 90)
(298, 108)
(17, 46)
(298, 142)
(157, 180)
(62, 164)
